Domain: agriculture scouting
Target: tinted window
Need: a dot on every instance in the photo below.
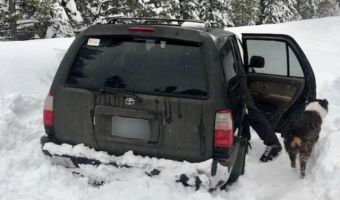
(140, 65)
(228, 62)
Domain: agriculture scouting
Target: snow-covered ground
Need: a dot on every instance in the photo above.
(27, 69)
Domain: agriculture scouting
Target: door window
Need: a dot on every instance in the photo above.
(240, 48)
(279, 58)
(294, 65)
(228, 62)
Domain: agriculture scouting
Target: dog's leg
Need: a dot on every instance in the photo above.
(305, 153)
(292, 157)
(303, 163)
(291, 145)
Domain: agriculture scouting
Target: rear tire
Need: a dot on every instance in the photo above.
(239, 166)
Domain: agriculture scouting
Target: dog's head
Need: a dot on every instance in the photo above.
(323, 103)
(319, 105)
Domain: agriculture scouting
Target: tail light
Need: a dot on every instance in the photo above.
(223, 136)
(48, 111)
(141, 29)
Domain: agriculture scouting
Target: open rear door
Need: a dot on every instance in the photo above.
(280, 77)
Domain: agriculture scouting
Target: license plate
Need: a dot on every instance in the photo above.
(133, 128)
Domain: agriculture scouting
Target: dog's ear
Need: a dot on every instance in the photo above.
(324, 103)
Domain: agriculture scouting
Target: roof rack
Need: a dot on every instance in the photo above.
(148, 20)
(163, 21)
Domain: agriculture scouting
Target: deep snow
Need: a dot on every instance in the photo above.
(27, 69)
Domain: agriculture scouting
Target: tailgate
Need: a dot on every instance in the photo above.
(166, 127)
(156, 126)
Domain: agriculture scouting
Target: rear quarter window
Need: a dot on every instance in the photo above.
(140, 65)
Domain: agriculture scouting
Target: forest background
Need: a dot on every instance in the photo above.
(29, 19)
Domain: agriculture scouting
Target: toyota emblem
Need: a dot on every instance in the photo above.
(130, 101)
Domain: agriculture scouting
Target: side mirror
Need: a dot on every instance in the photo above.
(256, 62)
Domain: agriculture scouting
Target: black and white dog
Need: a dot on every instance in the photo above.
(303, 132)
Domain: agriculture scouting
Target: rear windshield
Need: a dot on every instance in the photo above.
(140, 65)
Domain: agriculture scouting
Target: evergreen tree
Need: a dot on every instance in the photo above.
(34, 17)
(317, 8)
(306, 8)
(326, 8)
(141, 8)
(215, 11)
(188, 9)
(97, 10)
(263, 10)
(59, 25)
(73, 14)
(278, 11)
(244, 12)
(25, 19)
(168, 9)
(4, 24)
(8, 19)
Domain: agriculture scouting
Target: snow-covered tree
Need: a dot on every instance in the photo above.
(33, 17)
(188, 9)
(8, 19)
(95, 10)
(317, 8)
(215, 11)
(278, 11)
(73, 14)
(60, 25)
(244, 12)
(326, 8)
(4, 23)
(167, 9)
(306, 8)
(24, 19)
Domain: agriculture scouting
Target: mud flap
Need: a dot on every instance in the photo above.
(220, 174)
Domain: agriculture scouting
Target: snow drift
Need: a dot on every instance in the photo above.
(27, 69)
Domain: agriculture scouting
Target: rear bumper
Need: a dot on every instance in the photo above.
(210, 174)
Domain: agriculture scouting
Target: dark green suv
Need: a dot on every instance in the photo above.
(168, 89)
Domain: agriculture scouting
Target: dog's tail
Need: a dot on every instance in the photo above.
(296, 142)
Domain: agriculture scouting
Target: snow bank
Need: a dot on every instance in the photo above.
(169, 170)
(27, 69)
